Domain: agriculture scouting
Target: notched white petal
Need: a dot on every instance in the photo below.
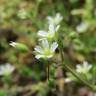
(13, 44)
(51, 28)
(54, 46)
(45, 43)
(58, 17)
(38, 49)
(49, 18)
(78, 66)
(87, 65)
(42, 33)
(82, 27)
(38, 56)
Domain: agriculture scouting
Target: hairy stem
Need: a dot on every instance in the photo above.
(48, 72)
(72, 71)
(48, 69)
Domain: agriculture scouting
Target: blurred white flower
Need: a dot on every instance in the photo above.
(22, 14)
(13, 44)
(6, 69)
(50, 34)
(45, 50)
(19, 46)
(55, 20)
(85, 68)
(82, 27)
(67, 80)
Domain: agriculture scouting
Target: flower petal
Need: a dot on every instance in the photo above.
(78, 68)
(45, 44)
(58, 18)
(86, 65)
(54, 46)
(6, 68)
(39, 56)
(49, 56)
(38, 49)
(49, 18)
(51, 29)
(42, 33)
(9, 67)
(13, 44)
(82, 27)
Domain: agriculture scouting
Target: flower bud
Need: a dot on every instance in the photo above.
(19, 46)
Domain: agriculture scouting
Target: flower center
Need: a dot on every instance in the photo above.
(47, 52)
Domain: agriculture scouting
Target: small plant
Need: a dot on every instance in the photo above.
(46, 52)
(49, 41)
(47, 44)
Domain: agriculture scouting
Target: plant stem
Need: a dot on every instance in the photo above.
(48, 69)
(36, 10)
(72, 71)
(48, 72)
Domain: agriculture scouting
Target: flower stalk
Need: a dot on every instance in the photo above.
(60, 46)
(46, 62)
(48, 72)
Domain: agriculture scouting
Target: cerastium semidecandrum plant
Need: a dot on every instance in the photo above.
(48, 42)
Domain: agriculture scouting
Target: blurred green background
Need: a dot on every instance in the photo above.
(20, 21)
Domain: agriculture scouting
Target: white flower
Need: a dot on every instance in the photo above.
(50, 34)
(46, 50)
(22, 14)
(6, 69)
(67, 80)
(55, 20)
(13, 44)
(70, 78)
(85, 68)
(82, 27)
